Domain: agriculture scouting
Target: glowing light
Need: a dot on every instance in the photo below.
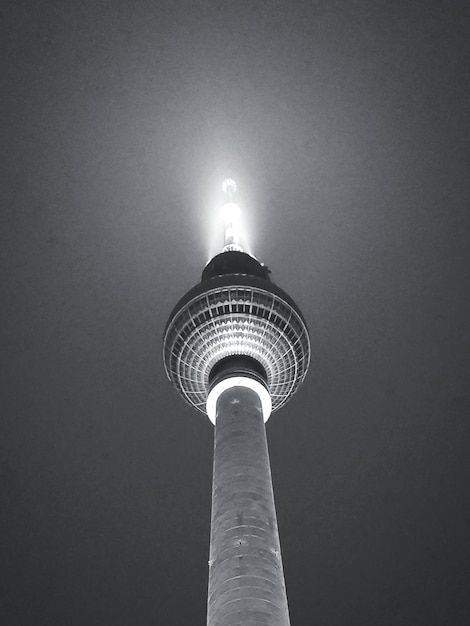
(229, 186)
(231, 216)
(238, 381)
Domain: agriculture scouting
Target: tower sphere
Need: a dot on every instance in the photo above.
(236, 311)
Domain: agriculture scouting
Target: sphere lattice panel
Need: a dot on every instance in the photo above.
(230, 320)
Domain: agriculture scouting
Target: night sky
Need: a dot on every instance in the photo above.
(345, 124)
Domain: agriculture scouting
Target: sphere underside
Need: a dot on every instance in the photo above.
(236, 320)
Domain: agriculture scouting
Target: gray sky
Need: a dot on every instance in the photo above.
(345, 125)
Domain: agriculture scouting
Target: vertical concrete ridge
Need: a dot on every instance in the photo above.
(246, 578)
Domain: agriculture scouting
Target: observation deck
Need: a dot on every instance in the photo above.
(236, 310)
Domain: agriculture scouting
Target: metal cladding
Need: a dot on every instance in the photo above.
(246, 579)
(236, 310)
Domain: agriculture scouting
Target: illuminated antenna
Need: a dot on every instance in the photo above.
(231, 216)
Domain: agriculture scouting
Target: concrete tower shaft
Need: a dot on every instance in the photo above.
(246, 579)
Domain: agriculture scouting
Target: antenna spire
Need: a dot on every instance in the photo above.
(231, 216)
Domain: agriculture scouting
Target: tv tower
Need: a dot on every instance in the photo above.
(236, 347)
